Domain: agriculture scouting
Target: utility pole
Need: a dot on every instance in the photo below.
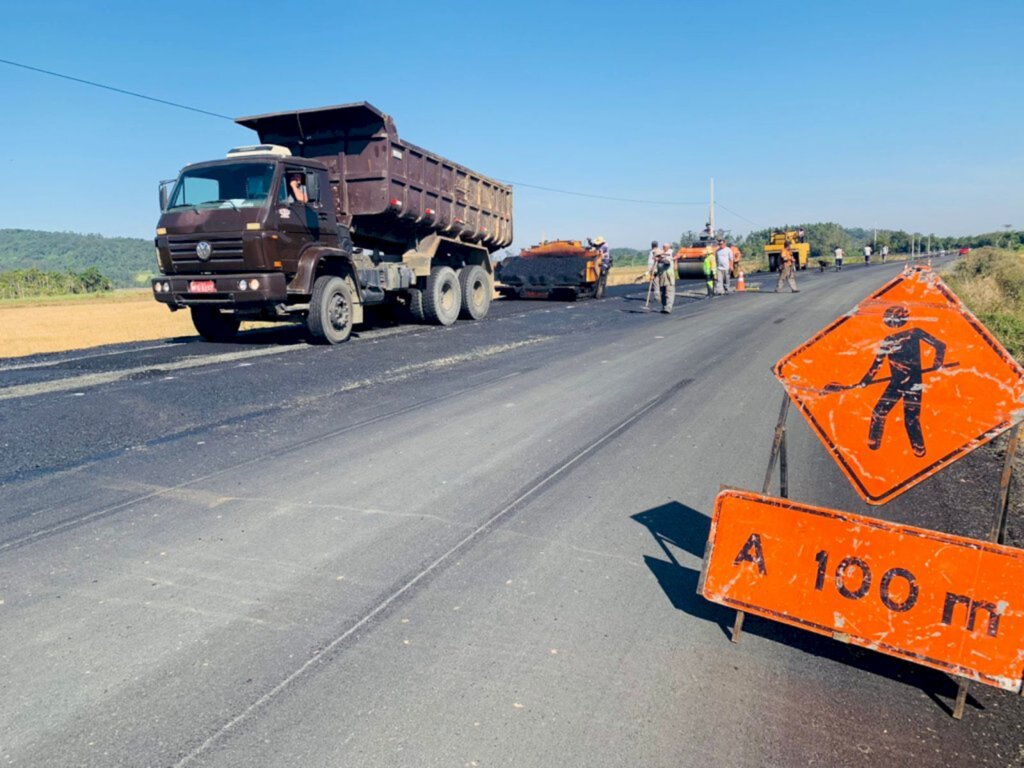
(711, 209)
(929, 243)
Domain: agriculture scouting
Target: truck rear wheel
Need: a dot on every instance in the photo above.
(330, 311)
(475, 285)
(442, 299)
(415, 305)
(214, 325)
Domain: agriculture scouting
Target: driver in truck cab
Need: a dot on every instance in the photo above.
(297, 187)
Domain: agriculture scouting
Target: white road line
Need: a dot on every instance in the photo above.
(108, 377)
(51, 363)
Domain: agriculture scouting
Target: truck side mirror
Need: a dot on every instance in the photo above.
(313, 187)
(165, 193)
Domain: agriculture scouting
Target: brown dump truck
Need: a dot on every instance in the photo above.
(557, 269)
(329, 214)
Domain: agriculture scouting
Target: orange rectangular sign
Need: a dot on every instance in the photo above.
(943, 601)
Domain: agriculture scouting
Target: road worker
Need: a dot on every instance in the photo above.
(723, 267)
(661, 269)
(786, 269)
(839, 257)
(709, 270)
(606, 264)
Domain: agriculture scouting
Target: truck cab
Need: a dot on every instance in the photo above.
(233, 234)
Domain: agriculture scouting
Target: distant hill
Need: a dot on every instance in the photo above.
(127, 261)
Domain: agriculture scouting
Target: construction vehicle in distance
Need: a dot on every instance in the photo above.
(330, 214)
(690, 259)
(778, 240)
(557, 269)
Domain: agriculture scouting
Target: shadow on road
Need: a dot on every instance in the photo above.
(290, 333)
(676, 525)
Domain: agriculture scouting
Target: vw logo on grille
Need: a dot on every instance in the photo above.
(203, 250)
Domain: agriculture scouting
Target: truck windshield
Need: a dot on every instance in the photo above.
(238, 185)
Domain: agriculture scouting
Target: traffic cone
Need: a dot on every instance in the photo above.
(741, 284)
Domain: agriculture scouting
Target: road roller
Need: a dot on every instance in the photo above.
(690, 259)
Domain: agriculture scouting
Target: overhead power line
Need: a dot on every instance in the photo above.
(176, 105)
(737, 215)
(115, 90)
(602, 197)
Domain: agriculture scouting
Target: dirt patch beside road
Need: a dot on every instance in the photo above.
(57, 326)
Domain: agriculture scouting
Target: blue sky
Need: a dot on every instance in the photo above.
(896, 114)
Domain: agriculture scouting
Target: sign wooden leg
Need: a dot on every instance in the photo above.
(995, 535)
(778, 453)
(999, 524)
(783, 468)
(780, 431)
(961, 700)
(737, 627)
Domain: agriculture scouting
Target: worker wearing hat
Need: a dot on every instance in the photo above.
(661, 270)
(606, 264)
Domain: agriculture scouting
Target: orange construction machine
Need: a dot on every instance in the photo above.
(690, 259)
(559, 269)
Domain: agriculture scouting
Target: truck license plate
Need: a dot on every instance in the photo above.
(202, 286)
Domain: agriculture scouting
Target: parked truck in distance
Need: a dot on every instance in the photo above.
(799, 246)
(331, 213)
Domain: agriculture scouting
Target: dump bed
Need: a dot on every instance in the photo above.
(391, 193)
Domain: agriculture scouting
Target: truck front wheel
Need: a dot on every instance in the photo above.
(330, 311)
(214, 325)
(442, 299)
(475, 285)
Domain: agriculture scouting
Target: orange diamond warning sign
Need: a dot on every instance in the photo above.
(903, 385)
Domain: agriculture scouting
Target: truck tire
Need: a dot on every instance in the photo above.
(476, 288)
(214, 325)
(330, 311)
(415, 305)
(442, 299)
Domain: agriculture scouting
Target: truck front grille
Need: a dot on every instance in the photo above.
(224, 251)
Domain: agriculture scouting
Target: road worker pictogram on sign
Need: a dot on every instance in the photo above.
(946, 602)
(903, 385)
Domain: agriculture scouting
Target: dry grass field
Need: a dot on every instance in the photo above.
(30, 327)
(34, 326)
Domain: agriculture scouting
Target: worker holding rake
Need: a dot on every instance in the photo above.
(661, 272)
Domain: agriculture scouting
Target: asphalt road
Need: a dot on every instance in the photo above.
(471, 546)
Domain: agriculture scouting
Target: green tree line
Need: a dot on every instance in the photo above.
(25, 283)
(125, 261)
(825, 237)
